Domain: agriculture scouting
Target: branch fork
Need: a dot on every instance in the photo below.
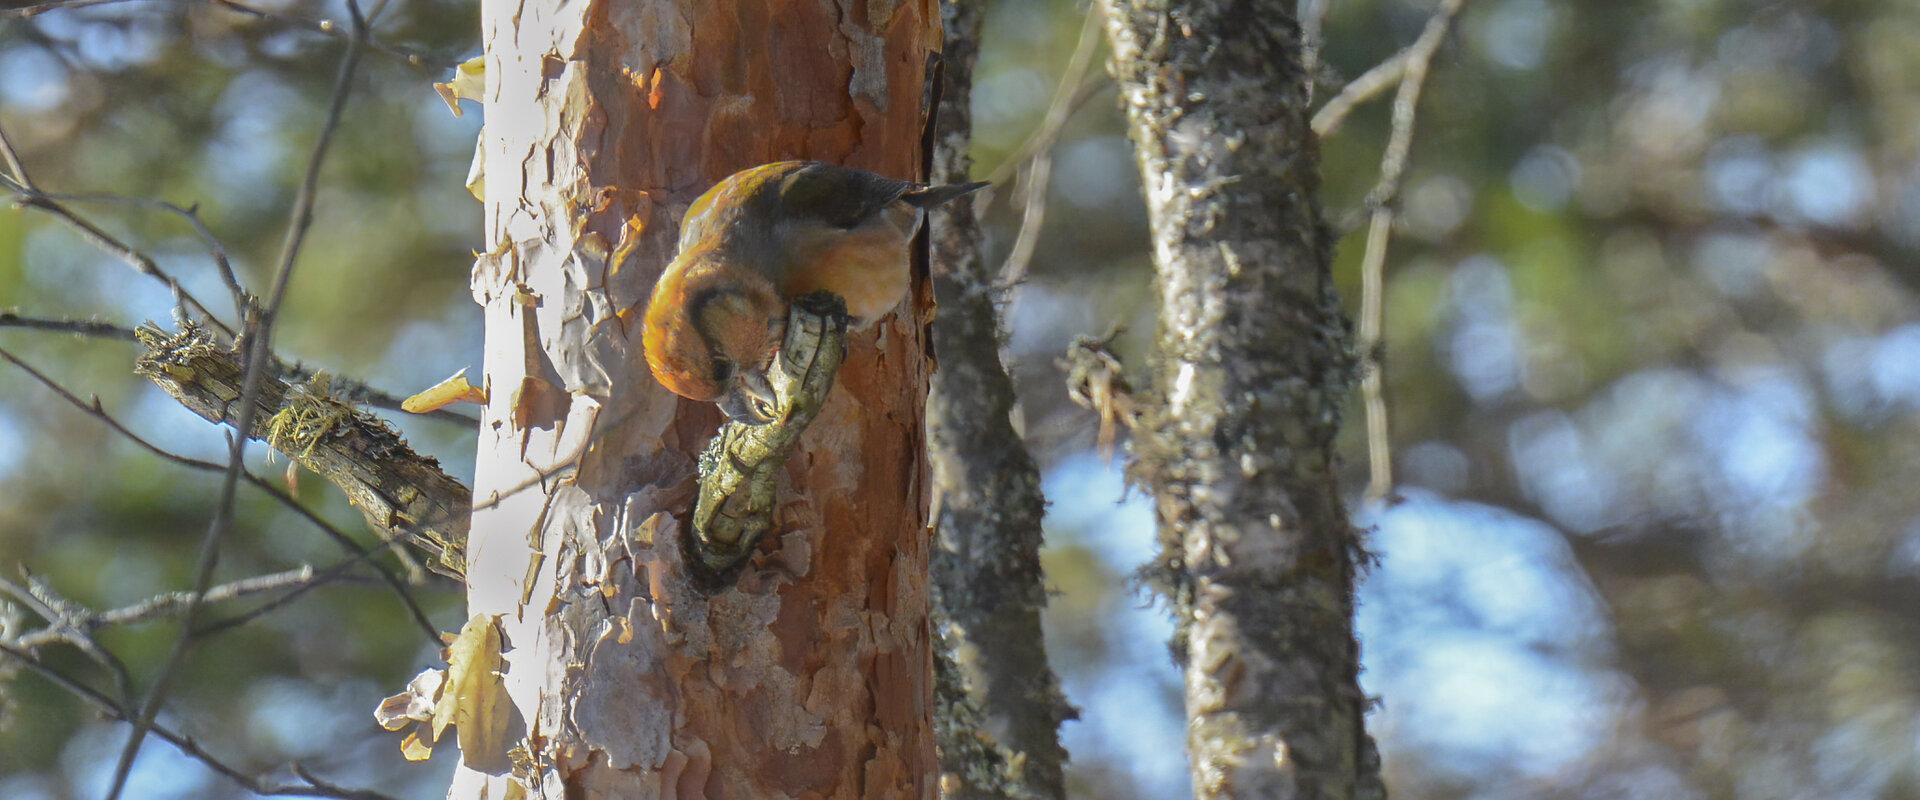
(739, 470)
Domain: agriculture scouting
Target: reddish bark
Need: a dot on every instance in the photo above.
(810, 677)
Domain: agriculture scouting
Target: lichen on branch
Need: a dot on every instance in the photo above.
(402, 493)
(739, 469)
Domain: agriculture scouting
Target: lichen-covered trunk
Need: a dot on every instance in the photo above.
(809, 676)
(986, 569)
(1253, 367)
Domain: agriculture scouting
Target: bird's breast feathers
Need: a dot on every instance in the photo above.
(866, 266)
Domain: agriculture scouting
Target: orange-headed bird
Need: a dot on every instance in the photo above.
(757, 241)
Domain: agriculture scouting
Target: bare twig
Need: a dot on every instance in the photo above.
(14, 164)
(216, 249)
(322, 25)
(92, 408)
(1032, 217)
(1372, 83)
(1036, 154)
(1313, 24)
(1097, 381)
(350, 389)
(259, 336)
(1069, 94)
(79, 327)
(186, 744)
(334, 29)
(142, 263)
(57, 610)
(75, 622)
(1393, 165)
(295, 589)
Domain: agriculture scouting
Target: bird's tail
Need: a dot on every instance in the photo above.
(932, 196)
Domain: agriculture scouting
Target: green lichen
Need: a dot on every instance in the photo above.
(309, 415)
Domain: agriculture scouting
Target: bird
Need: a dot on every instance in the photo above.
(760, 240)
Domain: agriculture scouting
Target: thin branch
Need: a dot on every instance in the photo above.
(77, 621)
(259, 336)
(55, 609)
(1393, 166)
(329, 27)
(140, 262)
(1037, 151)
(92, 408)
(350, 389)
(294, 591)
(322, 25)
(1032, 217)
(12, 158)
(216, 249)
(1069, 94)
(98, 329)
(1372, 83)
(185, 744)
(1313, 37)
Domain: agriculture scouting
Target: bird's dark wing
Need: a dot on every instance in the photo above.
(839, 196)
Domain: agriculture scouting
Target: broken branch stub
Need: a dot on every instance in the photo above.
(739, 470)
(402, 493)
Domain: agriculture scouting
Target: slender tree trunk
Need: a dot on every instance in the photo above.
(809, 676)
(1253, 367)
(986, 571)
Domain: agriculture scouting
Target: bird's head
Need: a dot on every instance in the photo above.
(711, 334)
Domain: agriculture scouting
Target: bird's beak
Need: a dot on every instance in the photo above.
(751, 401)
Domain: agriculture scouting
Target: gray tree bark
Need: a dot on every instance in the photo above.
(986, 565)
(1253, 365)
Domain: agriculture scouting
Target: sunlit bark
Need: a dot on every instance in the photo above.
(809, 676)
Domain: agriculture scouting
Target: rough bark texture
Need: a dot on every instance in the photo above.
(986, 571)
(809, 676)
(400, 492)
(1253, 365)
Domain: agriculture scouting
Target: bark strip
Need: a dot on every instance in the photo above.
(400, 492)
(1254, 364)
(986, 565)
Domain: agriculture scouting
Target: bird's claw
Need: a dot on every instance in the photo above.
(826, 305)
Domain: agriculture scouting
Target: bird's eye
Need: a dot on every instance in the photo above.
(723, 370)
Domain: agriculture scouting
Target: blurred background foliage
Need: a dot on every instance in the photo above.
(1653, 355)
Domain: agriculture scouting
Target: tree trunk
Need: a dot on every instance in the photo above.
(809, 675)
(1253, 367)
(986, 570)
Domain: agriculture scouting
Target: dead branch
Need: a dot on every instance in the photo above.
(403, 494)
(1371, 84)
(1097, 381)
(1373, 263)
(321, 25)
(92, 408)
(185, 744)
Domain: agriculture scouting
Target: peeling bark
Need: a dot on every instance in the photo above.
(810, 675)
(1254, 363)
(986, 571)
